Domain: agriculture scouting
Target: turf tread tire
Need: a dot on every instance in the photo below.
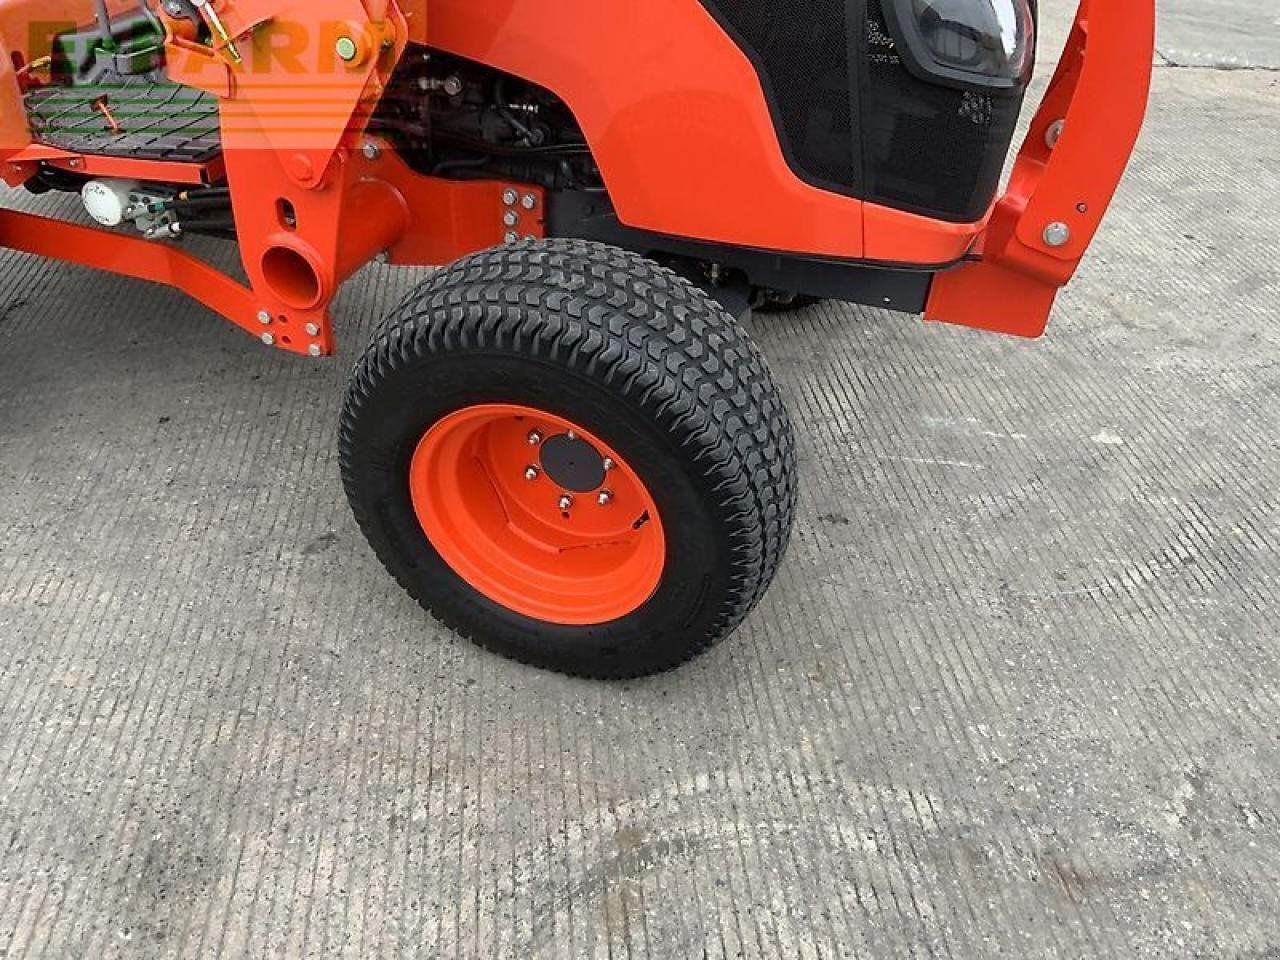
(640, 332)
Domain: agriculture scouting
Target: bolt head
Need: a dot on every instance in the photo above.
(264, 318)
(371, 150)
(1054, 133)
(509, 197)
(605, 498)
(315, 350)
(529, 201)
(608, 464)
(572, 435)
(269, 340)
(313, 329)
(511, 237)
(566, 501)
(1057, 234)
(535, 438)
(511, 218)
(302, 169)
(531, 472)
(347, 49)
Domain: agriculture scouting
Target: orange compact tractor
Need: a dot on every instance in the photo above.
(563, 444)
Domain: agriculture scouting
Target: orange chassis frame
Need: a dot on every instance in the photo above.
(673, 111)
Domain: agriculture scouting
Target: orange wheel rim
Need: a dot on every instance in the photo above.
(538, 514)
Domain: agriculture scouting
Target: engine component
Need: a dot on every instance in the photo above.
(154, 212)
(451, 117)
(108, 201)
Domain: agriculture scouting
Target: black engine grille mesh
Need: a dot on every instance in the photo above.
(853, 119)
(803, 58)
(927, 148)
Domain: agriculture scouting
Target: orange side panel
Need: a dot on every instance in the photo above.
(678, 122)
(894, 236)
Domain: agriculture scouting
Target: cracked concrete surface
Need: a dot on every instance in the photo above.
(1225, 34)
(1221, 35)
(1015, 693)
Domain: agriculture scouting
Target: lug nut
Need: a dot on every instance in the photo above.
(605, 498)
(510, 197)
(529, 201)
(531, 473)
(566, 501)
(535, 438)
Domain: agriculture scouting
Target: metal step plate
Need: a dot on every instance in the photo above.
(134, 117)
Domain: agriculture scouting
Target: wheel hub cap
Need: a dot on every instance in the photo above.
(538, 514)
(573, 463)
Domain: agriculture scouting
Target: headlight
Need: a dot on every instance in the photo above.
(979, 44)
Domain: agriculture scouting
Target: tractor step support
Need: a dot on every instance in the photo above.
(132, 118)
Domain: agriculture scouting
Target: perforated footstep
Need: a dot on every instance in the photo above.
(133, 118)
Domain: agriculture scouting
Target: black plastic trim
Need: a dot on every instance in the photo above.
(901, 287)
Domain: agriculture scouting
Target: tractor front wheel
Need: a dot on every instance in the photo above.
(573, 456)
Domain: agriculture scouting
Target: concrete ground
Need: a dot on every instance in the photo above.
(1015, 694)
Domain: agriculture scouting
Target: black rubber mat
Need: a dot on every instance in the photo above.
(134, 118)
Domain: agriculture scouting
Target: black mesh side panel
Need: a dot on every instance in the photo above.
(929, 149)
(853, 119)
(802, 54)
